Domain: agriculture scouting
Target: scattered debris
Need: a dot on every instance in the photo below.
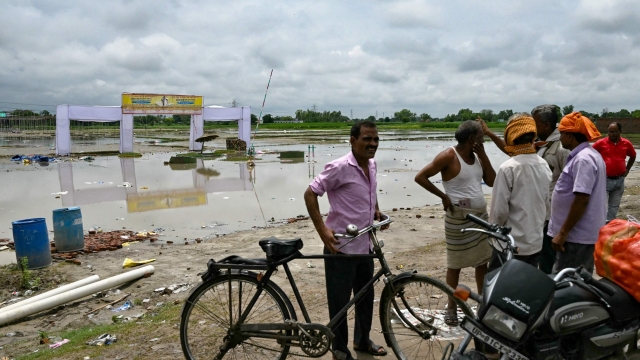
(58, 344)
(103, 340)
(126, 306)
(109, 304)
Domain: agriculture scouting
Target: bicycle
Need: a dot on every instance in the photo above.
(236, 312)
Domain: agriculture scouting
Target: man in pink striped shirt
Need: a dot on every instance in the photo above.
(350, 184)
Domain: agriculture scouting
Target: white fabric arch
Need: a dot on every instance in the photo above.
(218, 113)
(66, 113)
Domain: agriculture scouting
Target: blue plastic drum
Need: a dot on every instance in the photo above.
(32, 241)
(68, 233)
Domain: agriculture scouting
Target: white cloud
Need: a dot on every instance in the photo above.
(424, 55)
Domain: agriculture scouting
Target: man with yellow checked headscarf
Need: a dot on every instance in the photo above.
(521, 190)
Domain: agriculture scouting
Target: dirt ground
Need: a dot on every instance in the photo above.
(412, 242)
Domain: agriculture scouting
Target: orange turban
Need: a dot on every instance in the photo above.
(577, 123)
(515, 128)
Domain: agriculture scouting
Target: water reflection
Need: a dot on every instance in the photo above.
(203, 182)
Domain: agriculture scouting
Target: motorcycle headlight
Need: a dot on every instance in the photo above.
(504, 324)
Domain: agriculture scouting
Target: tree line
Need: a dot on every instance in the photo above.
(404, 115)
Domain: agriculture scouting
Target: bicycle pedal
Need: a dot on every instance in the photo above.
(339, 354)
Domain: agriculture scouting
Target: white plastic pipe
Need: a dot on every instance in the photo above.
(78, 293)
(61, 289)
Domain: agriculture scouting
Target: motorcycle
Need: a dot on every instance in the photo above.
(527, 314)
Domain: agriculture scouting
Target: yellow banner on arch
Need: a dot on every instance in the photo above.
(161, 104)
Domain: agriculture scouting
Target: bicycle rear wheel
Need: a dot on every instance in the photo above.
(426, 298)
(211, 311)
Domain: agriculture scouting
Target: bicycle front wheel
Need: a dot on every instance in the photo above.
(421, 301)
(210, 315)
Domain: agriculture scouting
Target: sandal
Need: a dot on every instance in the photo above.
(372, 349)
(451, 317)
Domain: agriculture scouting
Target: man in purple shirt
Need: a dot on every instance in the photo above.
(578, 203)
(350, 184)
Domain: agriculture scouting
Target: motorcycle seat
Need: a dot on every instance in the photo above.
(623, 306)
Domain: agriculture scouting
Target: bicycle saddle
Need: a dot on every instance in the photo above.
(279, 248)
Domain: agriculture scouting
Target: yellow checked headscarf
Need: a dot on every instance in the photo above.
(517, 127)
(577, 123)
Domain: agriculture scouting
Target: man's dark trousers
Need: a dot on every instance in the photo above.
(342, 277)
(547, 254)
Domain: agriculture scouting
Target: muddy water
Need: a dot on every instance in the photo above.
(212, 197)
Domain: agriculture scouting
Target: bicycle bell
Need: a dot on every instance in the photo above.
(352, 229)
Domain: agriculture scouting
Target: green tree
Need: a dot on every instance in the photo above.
(404, 115)
(635, 113)
(371, 118)
(267, 119)
(624, 113)
(566, 110)
(254, 119)
(424, 117)
(45, 113)
(504, 115)
(19, 112)
(465, 114)
(486, 114)
(182, 119)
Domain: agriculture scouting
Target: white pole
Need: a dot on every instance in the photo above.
(61, 289)
(56, 300)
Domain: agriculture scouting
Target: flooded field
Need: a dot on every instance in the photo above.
(212, 197)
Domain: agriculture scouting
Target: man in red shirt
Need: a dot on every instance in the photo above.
(614, 150)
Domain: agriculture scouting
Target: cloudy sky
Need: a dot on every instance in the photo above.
(361, 56)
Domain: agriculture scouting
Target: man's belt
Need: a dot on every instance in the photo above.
(615, 177)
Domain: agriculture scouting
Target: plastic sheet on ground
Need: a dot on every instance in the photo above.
(33, 158)
(126, 306)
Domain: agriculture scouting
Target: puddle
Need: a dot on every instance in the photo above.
(186, 202)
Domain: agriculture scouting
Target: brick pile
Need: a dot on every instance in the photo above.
(105, 241)
(236, 144)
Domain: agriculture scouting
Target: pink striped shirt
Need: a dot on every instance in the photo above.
(352, 198)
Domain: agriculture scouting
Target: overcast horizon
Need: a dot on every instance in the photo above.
(360, 56)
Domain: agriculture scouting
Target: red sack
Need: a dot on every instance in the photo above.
(617, 255)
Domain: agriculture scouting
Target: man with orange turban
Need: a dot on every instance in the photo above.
(521, 191)
(579, 200)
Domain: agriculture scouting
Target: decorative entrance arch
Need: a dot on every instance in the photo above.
(66, 113)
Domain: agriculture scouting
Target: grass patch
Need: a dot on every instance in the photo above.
(241, 158)
(133, 332)
(291, 154)
(12, 279)
(130, 155)
(182, 160)
(214, 154)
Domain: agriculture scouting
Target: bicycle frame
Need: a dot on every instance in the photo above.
(261, 330)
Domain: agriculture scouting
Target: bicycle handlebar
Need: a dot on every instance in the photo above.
(381, 223)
